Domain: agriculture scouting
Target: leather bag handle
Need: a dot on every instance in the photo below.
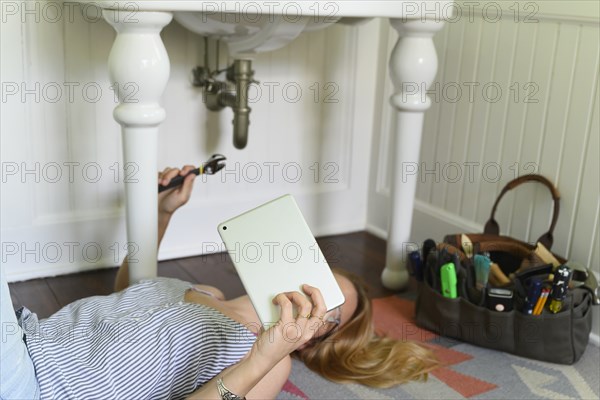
(492, 227)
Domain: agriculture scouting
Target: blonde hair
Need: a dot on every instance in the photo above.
(353, 353)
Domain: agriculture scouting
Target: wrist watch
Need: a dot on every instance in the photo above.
(226, 393)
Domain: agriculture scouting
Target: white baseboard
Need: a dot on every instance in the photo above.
(447, 217)
(170, 252)
(377, 231)
(433, 217)
(173, 252)
(26, 274)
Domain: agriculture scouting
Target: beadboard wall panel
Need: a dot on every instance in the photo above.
(310, 135)
(545, 120)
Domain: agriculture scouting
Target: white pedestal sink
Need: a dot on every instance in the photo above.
(139, 56)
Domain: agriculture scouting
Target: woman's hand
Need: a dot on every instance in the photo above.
(290, 333)
(272, 345)
(170, 200)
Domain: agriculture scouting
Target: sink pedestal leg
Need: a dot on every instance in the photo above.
(139, 67)
(413, 66)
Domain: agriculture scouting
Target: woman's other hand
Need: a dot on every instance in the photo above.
(290, 332)
(267, 366)
(170, 200)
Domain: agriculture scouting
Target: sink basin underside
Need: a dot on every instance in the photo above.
(253, 27)
(251, 34)
(316, 8)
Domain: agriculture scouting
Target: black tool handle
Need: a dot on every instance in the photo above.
(177, 181)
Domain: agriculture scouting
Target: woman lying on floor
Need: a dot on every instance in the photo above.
(169, 339)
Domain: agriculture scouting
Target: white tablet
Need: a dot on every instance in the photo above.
(274, 251)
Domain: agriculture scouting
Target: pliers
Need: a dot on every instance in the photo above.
(210, 167)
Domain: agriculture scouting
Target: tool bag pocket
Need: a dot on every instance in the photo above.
(559, 338)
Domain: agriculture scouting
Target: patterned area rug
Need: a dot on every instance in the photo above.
(468, 372)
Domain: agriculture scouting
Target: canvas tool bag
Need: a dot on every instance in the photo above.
(555, 337)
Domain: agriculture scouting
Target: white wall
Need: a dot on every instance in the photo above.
(552, 59)
(549, 55)
(52, 226)
(546, 120)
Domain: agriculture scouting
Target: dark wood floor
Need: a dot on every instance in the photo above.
(360, 252)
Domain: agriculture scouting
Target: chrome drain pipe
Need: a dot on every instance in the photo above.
(242, 75)
(232, 93)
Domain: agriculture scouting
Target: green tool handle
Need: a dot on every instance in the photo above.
(448, 278)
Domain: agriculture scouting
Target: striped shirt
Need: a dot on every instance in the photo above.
(144, 342)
